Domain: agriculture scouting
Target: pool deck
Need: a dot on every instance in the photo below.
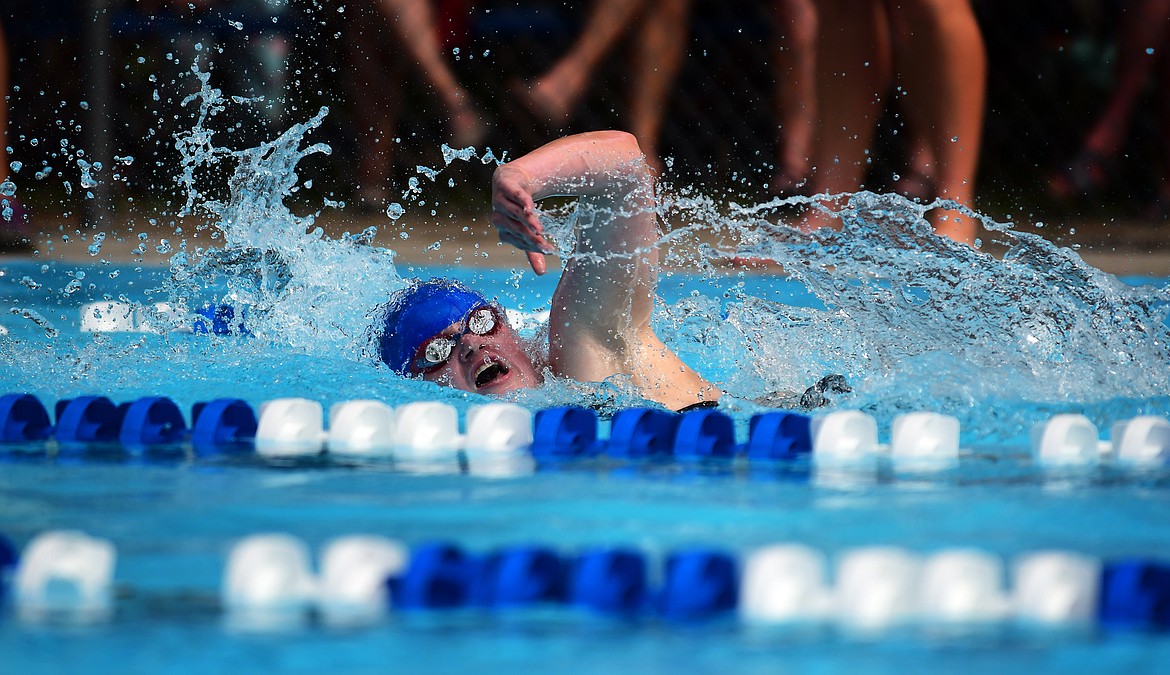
(1122, 248)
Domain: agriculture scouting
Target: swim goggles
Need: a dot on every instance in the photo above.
(437, 350)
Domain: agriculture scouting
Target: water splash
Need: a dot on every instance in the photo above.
(302, 288)
(921, 322)
(38, 319)
(914, 321)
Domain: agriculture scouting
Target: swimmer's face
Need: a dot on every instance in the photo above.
(484, 361)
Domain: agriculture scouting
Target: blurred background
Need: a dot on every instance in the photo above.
(1074, 128)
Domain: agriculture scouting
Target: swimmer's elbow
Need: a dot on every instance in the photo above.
(622, 139)
(630, 146)
(620, 143)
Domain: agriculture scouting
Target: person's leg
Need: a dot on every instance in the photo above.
(1144, 26)
(796, 99)
(1160, 210)
(658, 55)
(555, 94)
(916, 178)
(853, 66)
(945, 74)
(415, 25)
(374, 88)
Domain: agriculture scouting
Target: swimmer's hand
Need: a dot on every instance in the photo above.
(514, 215)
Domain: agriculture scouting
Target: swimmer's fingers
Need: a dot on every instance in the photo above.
(514, 239)
(520, 235)
(520, 216)
(512, 200)
(510, 196)
(535, 258)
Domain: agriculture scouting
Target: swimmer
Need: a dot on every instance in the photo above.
(599, 323)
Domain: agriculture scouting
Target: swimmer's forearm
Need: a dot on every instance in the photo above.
(592, 163)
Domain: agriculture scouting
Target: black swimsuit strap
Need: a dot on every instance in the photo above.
(701, 405)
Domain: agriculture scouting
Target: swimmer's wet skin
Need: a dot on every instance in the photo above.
(447, 333)
(431, 323)
(599, 323)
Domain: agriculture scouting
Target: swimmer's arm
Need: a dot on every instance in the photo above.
(608, 286)
(607, 165)
(600, 319)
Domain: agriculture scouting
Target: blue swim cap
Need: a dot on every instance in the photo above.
(419, 312)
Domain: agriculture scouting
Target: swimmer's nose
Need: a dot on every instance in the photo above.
(468, 345)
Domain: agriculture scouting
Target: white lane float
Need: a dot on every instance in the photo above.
(784, 583)
(290, 427)
(65, 574)
(106, 316)
(963, 586)
(498, 427)
(354, 570)
(925, 438)
(1055, 588)
(366, 428)
(844, 436)
(268, 583)
(877, 588)
(428, 429)
(1066, 439)
(1141, 440)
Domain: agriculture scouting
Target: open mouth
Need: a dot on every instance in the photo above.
(489, 373)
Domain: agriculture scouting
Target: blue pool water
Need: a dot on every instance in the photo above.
(999, 341)
(174, 522)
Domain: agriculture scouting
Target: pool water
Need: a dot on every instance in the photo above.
(174, 521)
(914, 323)
(173, 525)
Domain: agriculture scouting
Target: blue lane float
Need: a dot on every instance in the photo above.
(438, 576)
(608, 581)
(704, 434)
(699, 584)
(779, 436)
(642, 433)
(88, 419)
(23, 418)
(520, 576)
(565, 433)
(1135, 594)
(151, 421)
(8, 561)
(222, 423)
